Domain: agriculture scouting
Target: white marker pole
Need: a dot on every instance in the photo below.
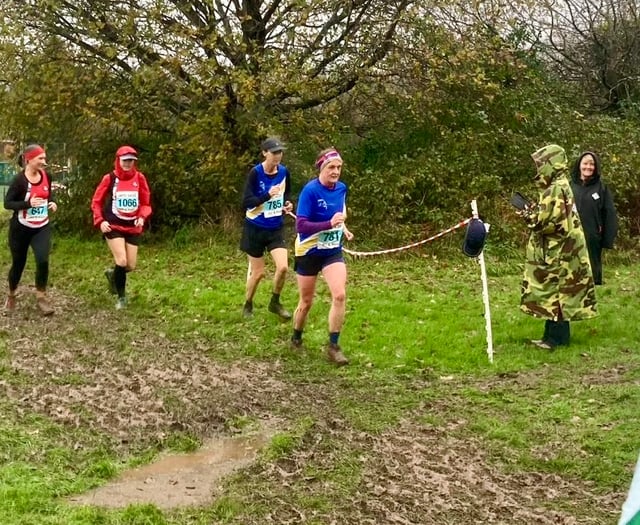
(485, 288)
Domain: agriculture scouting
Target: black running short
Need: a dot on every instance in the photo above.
(129, 238)
(313, 264)
(255, 240)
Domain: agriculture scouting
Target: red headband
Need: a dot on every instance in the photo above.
(33, 153)
(323, 160)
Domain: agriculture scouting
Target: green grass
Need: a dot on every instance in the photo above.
(415, 333)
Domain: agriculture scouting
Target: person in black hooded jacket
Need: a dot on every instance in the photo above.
(596, 209)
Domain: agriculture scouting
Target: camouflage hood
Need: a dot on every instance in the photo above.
(551, 161)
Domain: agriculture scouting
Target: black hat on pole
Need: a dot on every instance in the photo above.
(474, 238)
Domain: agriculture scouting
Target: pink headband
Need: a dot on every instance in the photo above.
(327, 157)
(32, 153)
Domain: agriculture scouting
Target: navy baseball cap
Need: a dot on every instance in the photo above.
(474, 238)
(272, 144)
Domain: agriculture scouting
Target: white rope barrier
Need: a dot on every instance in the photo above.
(480, 258)
(461, 224)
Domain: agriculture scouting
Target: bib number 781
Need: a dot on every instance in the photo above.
(329, 239)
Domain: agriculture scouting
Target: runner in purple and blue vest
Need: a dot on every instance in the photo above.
(320, 223)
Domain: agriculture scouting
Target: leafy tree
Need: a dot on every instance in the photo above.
(432, 103)
(592, 44)
(198, 83)
(454, 116)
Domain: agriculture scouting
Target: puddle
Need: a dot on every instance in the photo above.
(177, 480)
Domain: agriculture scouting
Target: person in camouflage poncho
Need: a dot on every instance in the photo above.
(558, 284)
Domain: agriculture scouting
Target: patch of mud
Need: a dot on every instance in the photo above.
(414, 474)
(155, 387)
(609, 376)
(87, 370)
(178, 480)
(425, 476)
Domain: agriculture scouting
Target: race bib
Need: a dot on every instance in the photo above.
(38, 213)
(329, 239)
(126, 201)
(273, 207)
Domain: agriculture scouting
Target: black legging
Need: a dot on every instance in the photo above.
(594, 246)
(20, 238)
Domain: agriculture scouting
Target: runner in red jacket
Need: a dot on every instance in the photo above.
(121, 206)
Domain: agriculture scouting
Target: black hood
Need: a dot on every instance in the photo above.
(575, 171)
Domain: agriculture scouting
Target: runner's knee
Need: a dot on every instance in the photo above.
(281, 270)
(339, 298)
(304, 305)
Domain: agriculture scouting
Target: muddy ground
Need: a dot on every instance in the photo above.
(69, 370)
